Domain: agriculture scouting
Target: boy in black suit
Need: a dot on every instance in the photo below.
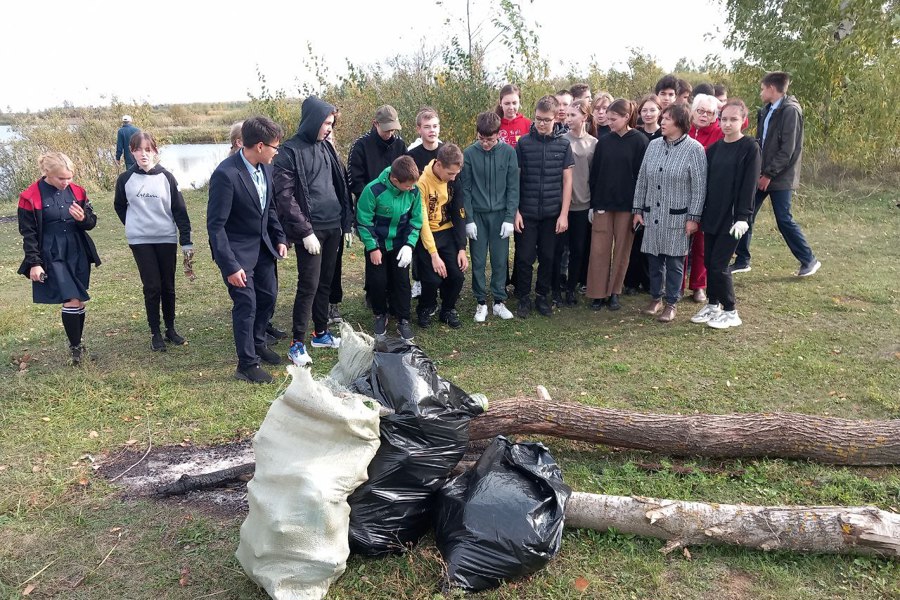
(246, 240)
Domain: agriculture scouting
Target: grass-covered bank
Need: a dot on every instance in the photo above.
(829, 344)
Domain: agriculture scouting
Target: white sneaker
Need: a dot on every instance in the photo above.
(725, 319)
(416, 289)
(705, 314)
(481, 313)
(501, 311)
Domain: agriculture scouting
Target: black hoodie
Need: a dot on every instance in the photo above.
(310, 180)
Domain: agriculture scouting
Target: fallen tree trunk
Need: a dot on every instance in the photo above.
(776, 435)
(863, 530)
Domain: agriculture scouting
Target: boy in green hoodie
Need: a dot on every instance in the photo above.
(389, 217)
(490, 181)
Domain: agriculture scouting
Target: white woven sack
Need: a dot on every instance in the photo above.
(312, 451)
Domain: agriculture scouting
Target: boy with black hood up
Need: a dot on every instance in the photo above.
(313, 205)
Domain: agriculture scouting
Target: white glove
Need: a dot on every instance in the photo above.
(591, 216)
(739, 229)
(506, 230)
(404, 257)
(472, 231)
(348, 240)
(312, 245)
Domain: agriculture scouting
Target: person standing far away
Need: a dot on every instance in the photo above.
(246, 240)
(369, 156)
(513, 124)
(490, 181)
(273, 333)
(546, 163)
(314, 209)
(779, 131)
(123, 141)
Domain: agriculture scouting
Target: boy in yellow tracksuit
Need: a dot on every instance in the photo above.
(441, 250)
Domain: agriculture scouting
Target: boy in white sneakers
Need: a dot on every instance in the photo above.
(490, 181)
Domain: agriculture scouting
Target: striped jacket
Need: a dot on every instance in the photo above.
(671, 188)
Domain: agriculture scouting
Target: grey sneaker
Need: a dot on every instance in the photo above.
(809, 269)
(405, 330)
(381, 324)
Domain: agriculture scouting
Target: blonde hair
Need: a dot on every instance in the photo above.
(50, 162)
(235, 136)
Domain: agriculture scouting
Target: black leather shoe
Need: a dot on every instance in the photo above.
(274, 332)
(254, 374)
(267, 355)
(613, 302)
(451, 318)
(571, 298)
(597, 303)
(157, 343)
(173, 338)
(542, 306)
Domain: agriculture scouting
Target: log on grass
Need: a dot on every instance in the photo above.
(777, 435)
(860, 530)
(206, 481)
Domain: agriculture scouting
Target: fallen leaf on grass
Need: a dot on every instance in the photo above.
(131, 442)
(35, 469)
(687, 553)
(28, 589)
(93, 435)
(45, 418)
(581, 584)
(183, 580)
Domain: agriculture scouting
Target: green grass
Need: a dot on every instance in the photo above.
(826, 345)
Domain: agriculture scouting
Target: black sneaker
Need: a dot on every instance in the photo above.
(275, 333)
(737, 267)
(451, 318)
(405, 329)
(542, 306)
(571, 298)
(254, 374)
(424, 316)
(77, 354)
(157, 343)
(173, 338)
(267, 355)
(381, 322)
(631, 291)
(597, 303)
(557, 299)
(613, 302)
(524, 308)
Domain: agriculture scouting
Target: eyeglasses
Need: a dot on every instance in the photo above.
(275, 148)
(544, 120)
(705, 113)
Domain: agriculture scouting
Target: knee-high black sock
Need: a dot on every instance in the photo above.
(72, 322)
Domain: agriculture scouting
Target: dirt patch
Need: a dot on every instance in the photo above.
(166, 464)
(738, 586)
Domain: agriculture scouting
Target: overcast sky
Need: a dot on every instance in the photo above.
(169, 51)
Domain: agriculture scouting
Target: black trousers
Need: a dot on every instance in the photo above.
(388, 280)
(638, 274)
(537, 240)
(336, 296)
(314, 276)
(718, 249)
(449, 286)
(156, 265)
(252, 307)
(578, 240)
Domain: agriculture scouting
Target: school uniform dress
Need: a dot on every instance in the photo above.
(63, 252)
(671, 189)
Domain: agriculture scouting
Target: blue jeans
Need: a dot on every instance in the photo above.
(670, 268)
(790, 231)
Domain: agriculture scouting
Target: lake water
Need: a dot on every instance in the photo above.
(6, 134)
(192, 164)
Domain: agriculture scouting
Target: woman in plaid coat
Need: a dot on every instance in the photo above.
(668, 202)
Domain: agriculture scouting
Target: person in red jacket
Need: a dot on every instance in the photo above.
(513, 124)
(705, 129)
(54, 217)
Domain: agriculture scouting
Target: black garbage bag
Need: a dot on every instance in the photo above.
(503, 518)
(421, 443)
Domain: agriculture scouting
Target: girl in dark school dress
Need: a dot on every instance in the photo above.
(54, 218)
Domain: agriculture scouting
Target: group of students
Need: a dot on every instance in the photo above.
(608, 195)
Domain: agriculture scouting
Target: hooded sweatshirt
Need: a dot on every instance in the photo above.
(512, 129)
(490, 181)
(441, 210)
(369, 156)
(310, 181)
(151, 206)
